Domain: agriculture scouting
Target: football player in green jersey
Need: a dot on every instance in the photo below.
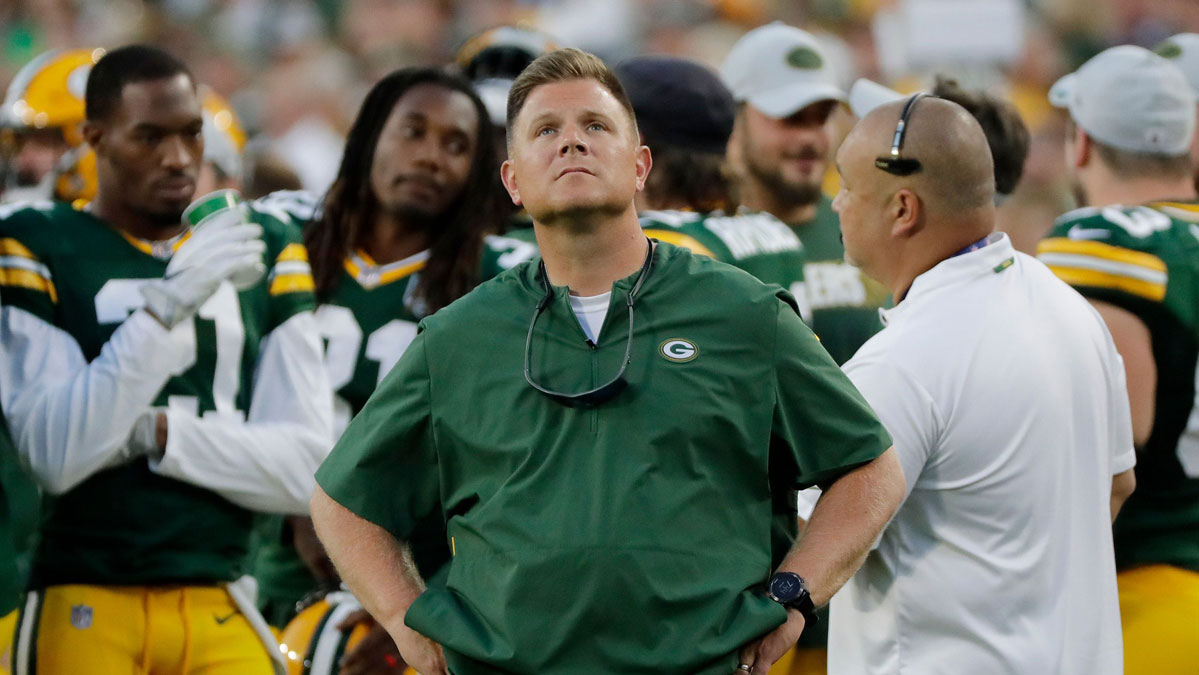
(162, 384)
(779, 152)
(1136, 257)
(402, 233)
(685, 115)
(16, 491)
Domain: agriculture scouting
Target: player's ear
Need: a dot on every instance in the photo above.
(92, 132)
(645, 162)
(904, 211)
(508, 177)
(1081, 148)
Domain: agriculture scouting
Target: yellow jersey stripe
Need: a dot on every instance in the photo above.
(23, 278)
(9, 246)
(366, 258)
(293, 252)
(1181, 206)
(292, 283)
(681, 240)
(1096, 249)
(1097, 279)
(148, 248)
(1179, 211)
(401, 272)
(370, 277)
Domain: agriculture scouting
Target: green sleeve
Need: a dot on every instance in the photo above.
(26, 280)
(822, 426)
(384, 468)
(289, 275)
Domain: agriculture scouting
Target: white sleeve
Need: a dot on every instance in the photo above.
(267, 462)
(71, 418)
(805, 502)
(1124, 453)
(906, 410)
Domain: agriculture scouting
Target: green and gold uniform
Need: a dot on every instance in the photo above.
(627, 537)
(18, 502)
(1145, 260)
(844, 301)
(367, 323)
(756, 242)
(240, 403)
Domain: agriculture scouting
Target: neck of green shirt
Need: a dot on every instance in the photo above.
(589, 259)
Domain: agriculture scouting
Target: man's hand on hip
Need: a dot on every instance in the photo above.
(376, 654)
(761, 654)
(420, 653)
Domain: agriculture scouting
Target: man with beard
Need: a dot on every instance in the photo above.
(402, 233)
(162, 383)
(685, 114)
(1133, 250)
(779, 152)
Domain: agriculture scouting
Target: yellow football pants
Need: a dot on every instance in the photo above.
(8, 624)
(114, 630)
(1159, 607)
(802, 661)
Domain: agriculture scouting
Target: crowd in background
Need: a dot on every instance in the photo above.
(296, 70)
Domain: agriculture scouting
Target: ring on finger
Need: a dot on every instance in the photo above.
(744, 666)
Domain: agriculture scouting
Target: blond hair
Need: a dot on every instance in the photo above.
(562, 65)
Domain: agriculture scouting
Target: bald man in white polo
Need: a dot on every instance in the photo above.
(1005, 396)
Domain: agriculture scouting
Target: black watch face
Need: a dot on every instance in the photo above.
(785, 587)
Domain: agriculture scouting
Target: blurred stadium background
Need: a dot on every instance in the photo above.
(296, 70)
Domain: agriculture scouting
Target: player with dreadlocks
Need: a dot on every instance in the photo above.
(402, 233)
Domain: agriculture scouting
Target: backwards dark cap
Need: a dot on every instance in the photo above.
(679, 102)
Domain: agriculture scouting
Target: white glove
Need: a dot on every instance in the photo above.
(143, 438)
(225, 249)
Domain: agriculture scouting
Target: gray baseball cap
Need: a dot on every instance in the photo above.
(1183, 51)
(779, 70)
(1131, 99)
(866, 95)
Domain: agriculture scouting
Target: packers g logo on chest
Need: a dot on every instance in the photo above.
(678, 350)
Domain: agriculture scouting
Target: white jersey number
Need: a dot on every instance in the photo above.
(344, 340)
(119, 298)
(1139, 222)
(1188, 443)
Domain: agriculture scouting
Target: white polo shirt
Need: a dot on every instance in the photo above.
(1005, 397)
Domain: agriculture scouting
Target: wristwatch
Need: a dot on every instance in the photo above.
(789, 590)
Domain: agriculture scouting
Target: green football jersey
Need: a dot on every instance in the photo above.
(1145, 259)
(18, 513)
(367, 323)
(844, 301)
(127, 525)
(758, 243)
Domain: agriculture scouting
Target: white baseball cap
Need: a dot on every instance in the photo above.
(1131, 99)
(779, 70)
(866, 95)
(1183, 51)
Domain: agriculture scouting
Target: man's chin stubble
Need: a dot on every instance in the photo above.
(579, 217)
